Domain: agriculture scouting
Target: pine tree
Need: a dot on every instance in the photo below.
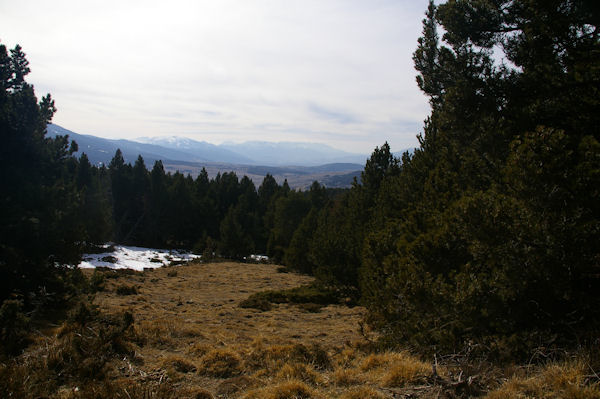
(39, 202)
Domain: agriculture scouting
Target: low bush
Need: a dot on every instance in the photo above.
(172, 273)
(307, 294)
(97, 281)
(126, 290)
(13, 327)
(256, 302)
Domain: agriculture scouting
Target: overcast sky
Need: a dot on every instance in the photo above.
(338, 72)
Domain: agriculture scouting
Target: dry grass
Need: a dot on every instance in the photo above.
(567, 381)
(274, 356)
(406, 370)
(395, 369)
(300, 371)
(363, 393)
(191, 339)
(347, 376)
(292, 389)
(166, 332)
(195, 393)
(220, 363)
(179, 364)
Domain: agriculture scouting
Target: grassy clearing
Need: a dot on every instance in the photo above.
(186, 336)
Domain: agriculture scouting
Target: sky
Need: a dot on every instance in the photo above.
(338, 72)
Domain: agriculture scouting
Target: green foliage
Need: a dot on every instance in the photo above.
(40, 204)
(126, 290)
(13, 327)
(306, 294)
(489, 232)
(97, 281)
(297, 255)
(288, 212)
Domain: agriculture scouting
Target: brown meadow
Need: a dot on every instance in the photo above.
(191, 339)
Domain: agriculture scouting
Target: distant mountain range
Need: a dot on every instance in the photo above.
(299, 163)
(100, 150)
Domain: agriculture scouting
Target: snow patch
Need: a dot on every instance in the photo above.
(137, 258)
(259, 258)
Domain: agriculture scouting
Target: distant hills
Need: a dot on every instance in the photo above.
(259, 152)
(299, 163)
(100, 150)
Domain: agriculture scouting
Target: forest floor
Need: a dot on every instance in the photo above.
(191, 339)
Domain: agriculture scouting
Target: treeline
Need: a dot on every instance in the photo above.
(224, 216)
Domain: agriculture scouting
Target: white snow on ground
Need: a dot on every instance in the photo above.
(136, 258)
(259, 258)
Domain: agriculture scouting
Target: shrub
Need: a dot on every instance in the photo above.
(256, 302)
(83, 313)
(126, 290)
(314, 295)
(13, 327)
(97, 281)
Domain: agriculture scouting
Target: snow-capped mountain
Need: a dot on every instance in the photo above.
(199, 149)
(299, 163)
(291, 153)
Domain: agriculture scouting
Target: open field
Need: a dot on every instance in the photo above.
(190, 338)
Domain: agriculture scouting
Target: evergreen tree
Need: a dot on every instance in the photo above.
(487, 229)
(122, 194)
(39, 202)
(288, 212)
(157, 209)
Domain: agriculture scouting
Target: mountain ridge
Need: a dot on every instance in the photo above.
(100, 151)
(175, 148)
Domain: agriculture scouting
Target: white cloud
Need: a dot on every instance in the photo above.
(333, 71)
